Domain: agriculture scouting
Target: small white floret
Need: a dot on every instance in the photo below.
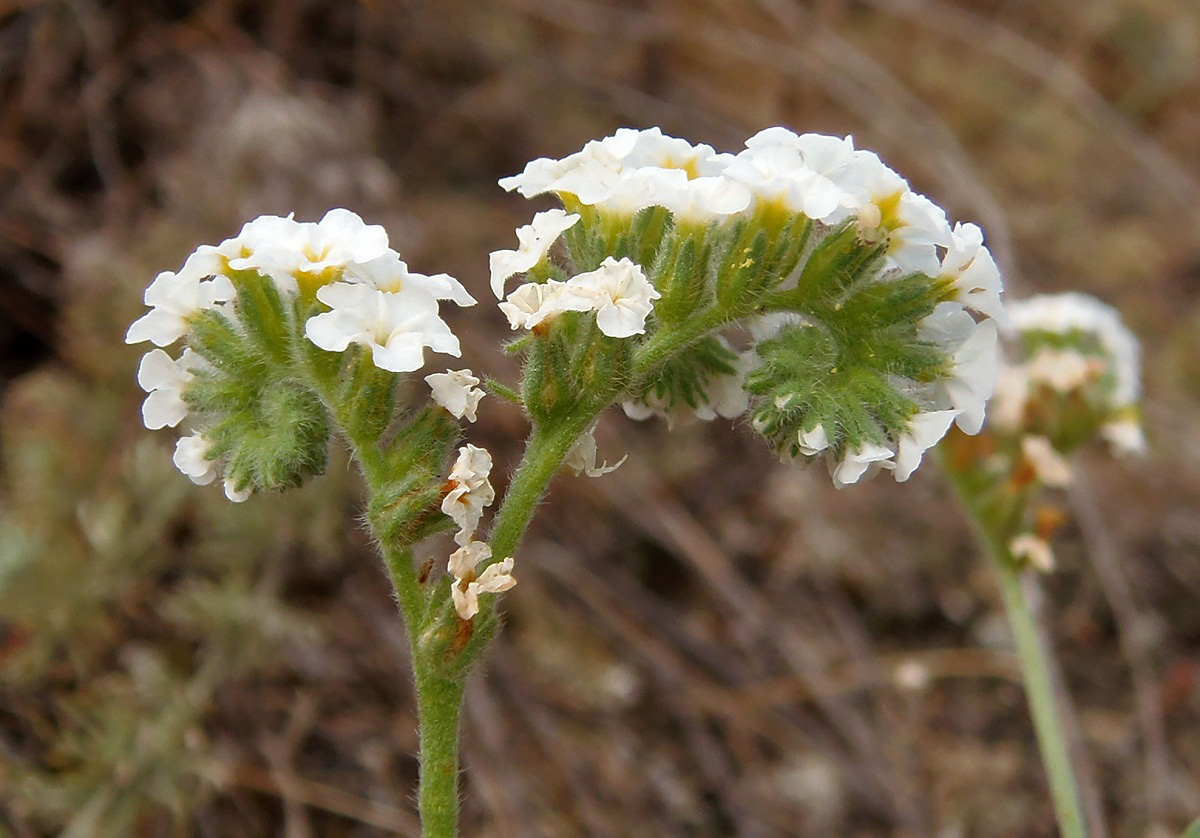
(175, 298)
(283, 248)
(233, 493)
(812, 442)
(395, 326)
(1036, 551)
(457, 391)
(1050, 466)
(924, 431)
(622, 296)
(470, 491)
(466, 587)
(535, 303)
(534, 242)
(582, 457)
(391, 273)
(973, 376)
(1125, 435)
(191, 458)
(164, 378)
(858, 461)
(976, 278)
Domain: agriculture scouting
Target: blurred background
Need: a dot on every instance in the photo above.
(704, 643)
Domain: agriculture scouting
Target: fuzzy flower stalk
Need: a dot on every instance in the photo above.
(273, 341)
(1070, 374)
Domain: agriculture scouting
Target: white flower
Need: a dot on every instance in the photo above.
(164, 378)
(1125, 435)
(914, 225)
(535, 303)
(775, 167)
(858, 461)
(924, 431)
(467, 587)
(390, 273)
(725, 395)
(973, 270)
(698, 200)
(1064, 314)
(622, 296)
(1063, 370)
(581, 459)
(235, 494)
(632, 170)
(191, 458)
(284, 248)
(534, 242)
(396, 326)
(176, 298)
(1049, 466)
(471, 492)
(457, 391)
(974, 358)
(1036, 551)
(813, 441)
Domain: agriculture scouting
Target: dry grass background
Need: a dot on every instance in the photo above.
(703, 643)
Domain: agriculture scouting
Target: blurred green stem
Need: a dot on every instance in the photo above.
(1031, 652)
(1039, 689)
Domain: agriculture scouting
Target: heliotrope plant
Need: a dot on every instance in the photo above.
(799, 283)
(1071, 374)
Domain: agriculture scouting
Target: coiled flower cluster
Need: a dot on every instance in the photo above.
(241, 307)
(817, 292)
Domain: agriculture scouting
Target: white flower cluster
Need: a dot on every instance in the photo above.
(781, 174)
(1090, 345)
(470, 493)
(468, 585)
(374, 301)
(958, 398)
(824, 178)
(618, 292)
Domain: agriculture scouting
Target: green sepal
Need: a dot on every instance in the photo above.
(446, 639)
(498, 388)
(683, 381)
(838, 263)
(261, 311)
(405, 506)
(740, 279)
(369, 398)
(680, 275)
(274, 442)
(807, 377)
(215, 339)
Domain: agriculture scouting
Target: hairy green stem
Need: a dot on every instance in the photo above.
(544, 453)
(439, 709)
(1031, 653)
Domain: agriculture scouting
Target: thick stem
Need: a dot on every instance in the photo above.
(439, 708)
(1043, 702)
